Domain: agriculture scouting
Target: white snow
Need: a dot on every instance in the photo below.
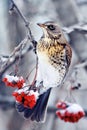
(26, 90)
(12, 78)
(35, 93)
(62, 111)
(74, 108)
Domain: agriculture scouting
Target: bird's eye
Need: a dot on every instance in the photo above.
(51, 27)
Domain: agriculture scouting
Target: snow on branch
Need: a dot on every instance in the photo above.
(80, 27)
(8, 61)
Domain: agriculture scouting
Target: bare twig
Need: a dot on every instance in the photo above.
(21, 46)
(15, 55)
(29, 32)
(35, 73)
(26, 23)
(80, 27)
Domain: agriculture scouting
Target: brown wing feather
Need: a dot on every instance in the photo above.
(68, 54)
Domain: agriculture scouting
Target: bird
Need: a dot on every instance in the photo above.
(54, 57)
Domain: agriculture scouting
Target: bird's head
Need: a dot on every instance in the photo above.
(51, 29)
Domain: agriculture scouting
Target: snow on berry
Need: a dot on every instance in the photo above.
(69, 112)
(27, 97)
(14, 81)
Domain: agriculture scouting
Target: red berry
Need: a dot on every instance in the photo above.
(19, 98)
(4, 79)
(58, 105)
(15, 94)
(8, 84)
(32, 104)
(33, 97)
(66, 119)
(61, 105)
(81, 114)
(67, 113)
(23, 94)
(58, 113)
(26, 103)
(62, 117)
(26, 97)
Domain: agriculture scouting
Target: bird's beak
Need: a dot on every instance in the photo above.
(41, 25)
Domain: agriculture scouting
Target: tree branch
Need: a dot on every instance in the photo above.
(15, 55)
(80, 27)
(26, 22)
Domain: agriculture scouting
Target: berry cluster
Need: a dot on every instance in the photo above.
(22, 95)
(69, 112)
(13, 81)
(27, 99)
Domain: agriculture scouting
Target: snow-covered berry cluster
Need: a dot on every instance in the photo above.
(69, 112)
(24, 95)
(13, 81)
(27, 97)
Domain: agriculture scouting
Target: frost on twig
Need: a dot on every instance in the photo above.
(26, 22)
(11, 59)
(7, 61)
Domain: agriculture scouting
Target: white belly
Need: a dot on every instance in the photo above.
(47, 73)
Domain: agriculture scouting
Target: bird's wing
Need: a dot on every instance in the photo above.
(68, 54)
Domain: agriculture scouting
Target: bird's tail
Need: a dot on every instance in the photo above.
(38, 112)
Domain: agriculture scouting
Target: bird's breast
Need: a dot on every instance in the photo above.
(52, 76)
(51, 63)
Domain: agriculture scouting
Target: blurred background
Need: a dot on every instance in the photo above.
(69, 14)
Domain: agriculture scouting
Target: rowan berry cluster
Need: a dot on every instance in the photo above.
(69, 112)
(27, 98)
(13, 81)
(23, 94)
